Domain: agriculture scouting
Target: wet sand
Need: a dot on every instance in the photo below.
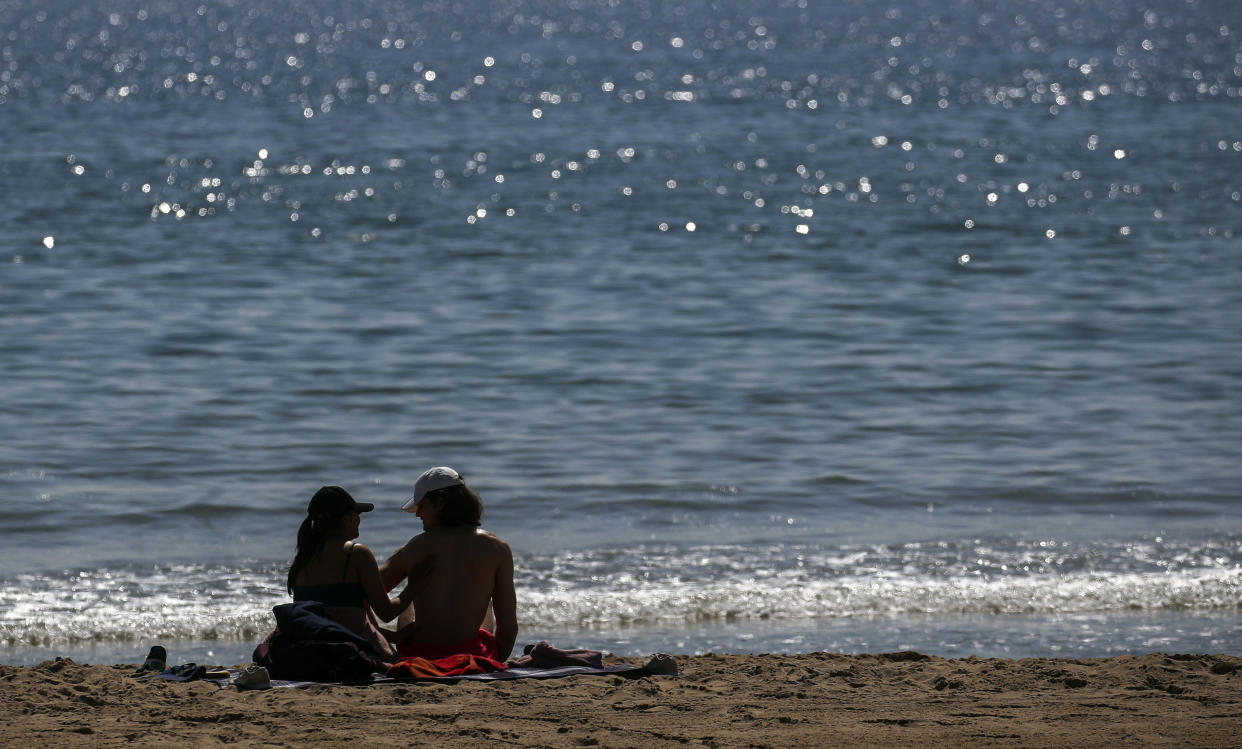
(810, 700)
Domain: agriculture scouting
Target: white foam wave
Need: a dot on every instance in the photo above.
(136, 605)
(664, 587)
(882, 595)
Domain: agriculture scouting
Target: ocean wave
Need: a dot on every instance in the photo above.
(882, 596)
(666, 586)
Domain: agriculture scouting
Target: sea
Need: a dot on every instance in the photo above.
(759, 325)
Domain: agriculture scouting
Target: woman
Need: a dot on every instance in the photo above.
(330, 567)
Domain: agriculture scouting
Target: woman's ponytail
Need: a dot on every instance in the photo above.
(310, 543)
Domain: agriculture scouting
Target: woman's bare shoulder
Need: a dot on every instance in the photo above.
(361, 550)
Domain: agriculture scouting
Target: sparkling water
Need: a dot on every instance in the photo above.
(759, 326)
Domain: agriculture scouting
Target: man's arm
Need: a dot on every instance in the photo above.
(395, 568)
(504, 604)
(369, 577)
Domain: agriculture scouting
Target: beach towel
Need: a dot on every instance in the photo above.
(504, 675)
(544, 655)
(513, 672)
(185, 672)
(482, 644)
(460, 664)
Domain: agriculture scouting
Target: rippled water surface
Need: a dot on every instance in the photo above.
(758, 325)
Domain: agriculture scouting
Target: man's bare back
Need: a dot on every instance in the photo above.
(470, 571)
(460, 571)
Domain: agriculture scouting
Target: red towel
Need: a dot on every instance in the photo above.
(484, 643)
(452, 665)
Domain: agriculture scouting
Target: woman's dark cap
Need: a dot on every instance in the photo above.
(334, 502)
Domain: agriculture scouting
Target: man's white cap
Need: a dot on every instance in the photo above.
(432, 479)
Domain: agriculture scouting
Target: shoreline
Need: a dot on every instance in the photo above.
(1012, 636)
(887, 699)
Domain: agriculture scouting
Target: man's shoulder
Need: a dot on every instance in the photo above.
(413, 546)
(492, 540)
(416, 541)
(468, 535)
(477, 539)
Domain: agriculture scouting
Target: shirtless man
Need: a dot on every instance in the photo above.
(464, 571)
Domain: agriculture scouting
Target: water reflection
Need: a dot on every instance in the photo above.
(817, 85)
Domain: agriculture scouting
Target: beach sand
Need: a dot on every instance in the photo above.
(811, 700)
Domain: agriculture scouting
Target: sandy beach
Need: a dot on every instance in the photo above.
(810, 700)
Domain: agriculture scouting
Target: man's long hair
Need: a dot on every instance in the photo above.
(458, 506)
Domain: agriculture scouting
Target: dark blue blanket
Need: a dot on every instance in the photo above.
(307, 645)
(308, 620)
